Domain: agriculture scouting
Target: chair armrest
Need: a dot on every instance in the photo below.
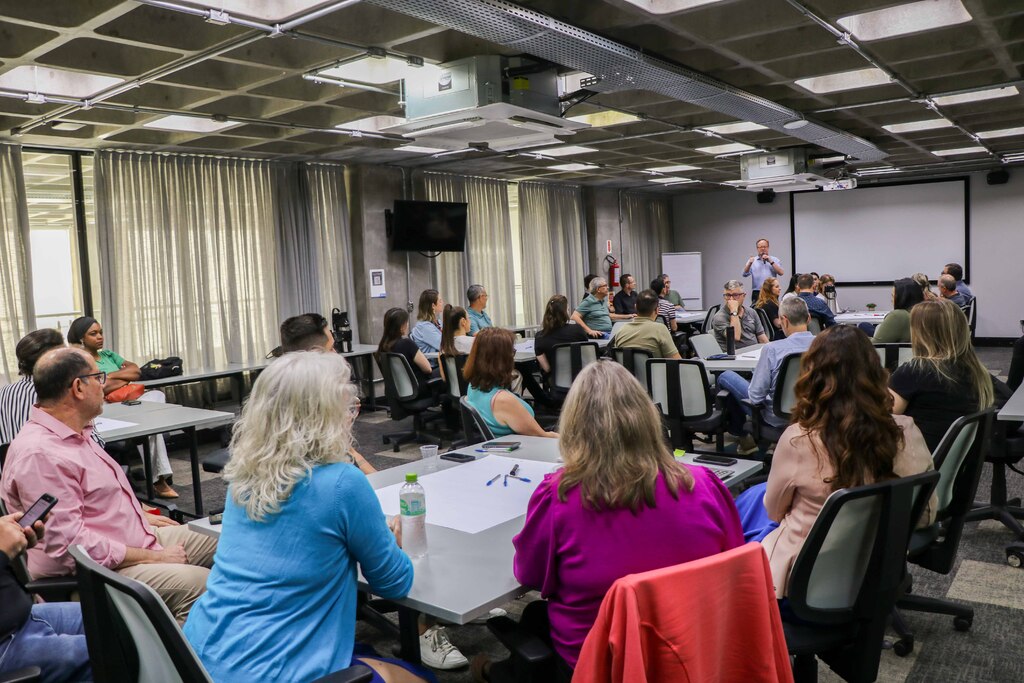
(53, 589)
(756, 419)
(26, 675)
(353, 674)
(526, 645)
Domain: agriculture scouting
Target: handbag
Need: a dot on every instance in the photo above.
(161, 368)
(129, 392)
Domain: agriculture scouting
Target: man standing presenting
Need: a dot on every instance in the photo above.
(735, 319)
(55, 454)
(478, 320)
(761, 266)
(948, 290)
(625, 300)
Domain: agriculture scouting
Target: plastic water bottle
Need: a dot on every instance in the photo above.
(413, 505)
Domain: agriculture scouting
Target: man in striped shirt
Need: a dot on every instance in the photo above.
(17, 399)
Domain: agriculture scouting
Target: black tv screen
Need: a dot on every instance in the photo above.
(428, 226)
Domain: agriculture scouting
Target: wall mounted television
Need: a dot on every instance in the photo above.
(427, 226)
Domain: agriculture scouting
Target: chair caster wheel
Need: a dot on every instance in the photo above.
(903, 647)
(962, 623)
(1015, 556)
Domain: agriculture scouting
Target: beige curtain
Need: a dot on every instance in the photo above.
(188, 256)
(330, 238)
(552, 243)
(17, 315)
(488, 257)
(646, 234)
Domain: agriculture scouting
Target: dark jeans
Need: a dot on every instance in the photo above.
(535, 622)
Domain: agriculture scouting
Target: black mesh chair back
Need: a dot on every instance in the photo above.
(705, 327)
(766, 323)
(568, 360)
(455, 383)
(634, 360)
(893, 355)
(681, 391)
(473, 424)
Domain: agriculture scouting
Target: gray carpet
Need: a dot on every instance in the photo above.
(990, 651)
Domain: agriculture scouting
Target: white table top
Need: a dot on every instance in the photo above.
(746, 360)
(691, 316)
(525, 349)
(157, 418)
(854, 317)
(463, 576)
(1014, 409)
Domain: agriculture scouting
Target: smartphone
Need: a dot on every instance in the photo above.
(501, 446)
(131, 403)
(719, 460)
(217, 518)
(38, 511)
(458, 457)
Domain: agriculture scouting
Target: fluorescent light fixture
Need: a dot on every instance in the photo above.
(416, 149)
(836, 158)
(731, 128)
(564, 150)
(373, 124)
(1002, 133)
(976, 96)
(673, 169)
(188, 124)
(267, 10)
(912, 126)
(1013, 157)
(41, 79)
(911, 17)
(845, 80)
(603, 119)
(66, 126)
(725, 149)
(669, 6)
(672, 181)
(574, 167)
(876, 170)
(380, 69)
(976, 149)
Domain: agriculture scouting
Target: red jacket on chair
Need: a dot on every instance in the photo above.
(714, 619)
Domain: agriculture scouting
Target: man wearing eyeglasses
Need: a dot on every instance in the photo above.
(736, 319)
(96, 508)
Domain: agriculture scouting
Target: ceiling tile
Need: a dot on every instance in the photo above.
(220, 75)
(17, 39)
(63, 13)
(106, 57)
(146, 24)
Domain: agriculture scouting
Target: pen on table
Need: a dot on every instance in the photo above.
(520, 478)
(494, 479)
(506, 480)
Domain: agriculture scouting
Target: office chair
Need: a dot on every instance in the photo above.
(1006, 453)
(814, 325)
(132, 636)
(29, 674)
(680, 388)
(766, 323)
(783, 401)
(408, 395)
(705, 345)
(634, 360)
(705, 326)
(894, 355)
(959, 458)
(567, 361)
(971, 311)
(50, 589)
(847, 577)
(473, 424)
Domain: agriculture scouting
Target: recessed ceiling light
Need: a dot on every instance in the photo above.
(977, 149)
(725, 149)
(673, 169)
(380, 69)
(795, 124)
(876, 170)
(574, 167)
(603, 119)
(911, 17)
(373, 124)
(668, 6)
(1002, 133)
(730, 128)
(976, 96)
(564, 150)
(188, 124)
(912, 126)
(844, 80)
(41, 79)
(671, 181)
(66, 126)
(1013, 157)
(419, 150)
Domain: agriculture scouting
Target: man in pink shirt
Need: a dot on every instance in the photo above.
(53, 453)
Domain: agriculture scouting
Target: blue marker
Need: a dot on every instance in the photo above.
(496, 477)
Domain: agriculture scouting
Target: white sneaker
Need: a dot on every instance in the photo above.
(437, 651)
(496, 612)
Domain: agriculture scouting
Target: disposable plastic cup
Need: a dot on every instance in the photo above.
(430, 458)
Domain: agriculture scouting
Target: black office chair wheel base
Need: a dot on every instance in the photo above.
(1015, 555)
(963, 623)
(903, 646)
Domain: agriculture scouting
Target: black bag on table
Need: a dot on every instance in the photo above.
(159, 368)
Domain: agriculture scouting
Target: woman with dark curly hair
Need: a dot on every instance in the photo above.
(843, 434)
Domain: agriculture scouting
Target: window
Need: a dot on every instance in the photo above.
(517, 258)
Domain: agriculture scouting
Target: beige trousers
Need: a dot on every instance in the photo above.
(179, 585)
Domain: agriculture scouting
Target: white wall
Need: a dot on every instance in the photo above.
(724, 225)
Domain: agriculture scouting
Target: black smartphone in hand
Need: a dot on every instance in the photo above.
(38, 511)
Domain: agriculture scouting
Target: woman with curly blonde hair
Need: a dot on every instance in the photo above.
(296, 505)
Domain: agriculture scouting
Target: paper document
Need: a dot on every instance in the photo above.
(459, 497)
(525, 346)
(755, 354)
(107, 424)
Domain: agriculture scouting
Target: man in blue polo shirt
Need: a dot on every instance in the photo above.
(478, 320)
(759, 267)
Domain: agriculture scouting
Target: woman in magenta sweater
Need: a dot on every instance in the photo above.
(621, 505)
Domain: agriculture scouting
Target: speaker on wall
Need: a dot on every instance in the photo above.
(998, 177)
(766, 196)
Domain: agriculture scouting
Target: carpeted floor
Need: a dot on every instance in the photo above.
(991, 651)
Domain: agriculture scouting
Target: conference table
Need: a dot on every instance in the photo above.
(468, 567)
(127, 422)
(691, 316)
(857, 317)
(1013, 410)
(745, 360)
(525, 349)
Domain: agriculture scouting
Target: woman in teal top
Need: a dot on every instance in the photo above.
(300, 520)
(488, 371)
(87, 333)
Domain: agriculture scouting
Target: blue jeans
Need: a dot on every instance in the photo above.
(739, 389)
(54, 640)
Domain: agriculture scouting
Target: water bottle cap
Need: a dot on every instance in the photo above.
(410, 478)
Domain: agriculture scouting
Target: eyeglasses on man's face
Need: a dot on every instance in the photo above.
(734, 295)
(101, 377)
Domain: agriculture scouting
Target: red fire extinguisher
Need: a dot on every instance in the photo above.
(613, 270)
